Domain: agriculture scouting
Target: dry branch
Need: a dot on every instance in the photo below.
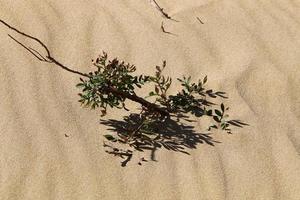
(200, 20)
(48, 59)
(161, 10)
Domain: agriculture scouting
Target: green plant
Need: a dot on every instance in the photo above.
(114, 81)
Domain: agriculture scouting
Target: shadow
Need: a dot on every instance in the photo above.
(169, 134)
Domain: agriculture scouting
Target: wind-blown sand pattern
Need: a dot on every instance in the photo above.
(250, 49)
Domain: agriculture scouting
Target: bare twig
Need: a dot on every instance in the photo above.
(200, 20)
(29, 36)
(41, 58)
(164, 30)
(161, 10)
(49, 59)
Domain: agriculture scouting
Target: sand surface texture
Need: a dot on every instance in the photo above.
(248, 48)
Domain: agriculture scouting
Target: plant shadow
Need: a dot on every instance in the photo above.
(170, 134)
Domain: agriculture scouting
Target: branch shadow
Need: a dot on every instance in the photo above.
(169, 134)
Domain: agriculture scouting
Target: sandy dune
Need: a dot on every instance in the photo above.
(248, 48)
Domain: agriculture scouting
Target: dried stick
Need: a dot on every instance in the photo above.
(161, 10)
(48, 59)
(200, 20)
(162, 27)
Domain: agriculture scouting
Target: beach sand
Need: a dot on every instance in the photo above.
(247, 48)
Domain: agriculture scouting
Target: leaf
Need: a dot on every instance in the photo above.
(163, 80)
(138, 85)
(188, 80)
(164, 64)
(216, 119)
(80, 85)
(218, 112)
(209, 112)
(110, 138)
(240, 122)
(222, 107)
(223, 125)
(232, 122)
(151, 93)
(158, 68)
(214, 126)
(140, 78)
(205, 80)
(212, 95)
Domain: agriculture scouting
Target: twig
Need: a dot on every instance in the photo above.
(29, 49)
(49, 59)
(164, 30)
(200, 20)
(161, 10)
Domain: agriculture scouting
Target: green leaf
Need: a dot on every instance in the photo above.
(138, 85)
(110, 138)
(218, 112)
(158, 68)
(205, 80)
(188, 80)
(80, 85)
(213, 126)
(222, 107)
(216, 119)
(151, 93)
(209, 112)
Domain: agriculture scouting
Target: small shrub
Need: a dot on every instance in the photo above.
(114, 81)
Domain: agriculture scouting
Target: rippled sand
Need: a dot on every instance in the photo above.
(249, 48)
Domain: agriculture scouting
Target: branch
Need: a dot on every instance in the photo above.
(162, 27)
(143, 102)
(48, 59)
(161, 10)
(32, 51)
(200, 20)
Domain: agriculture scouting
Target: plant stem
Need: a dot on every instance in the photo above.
(49, 59)
(135, 98)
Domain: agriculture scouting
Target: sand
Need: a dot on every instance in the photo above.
(249, 48)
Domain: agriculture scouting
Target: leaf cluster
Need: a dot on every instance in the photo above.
(114, 81)
(109, 74)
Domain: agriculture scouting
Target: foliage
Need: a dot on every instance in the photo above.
(114, 81)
